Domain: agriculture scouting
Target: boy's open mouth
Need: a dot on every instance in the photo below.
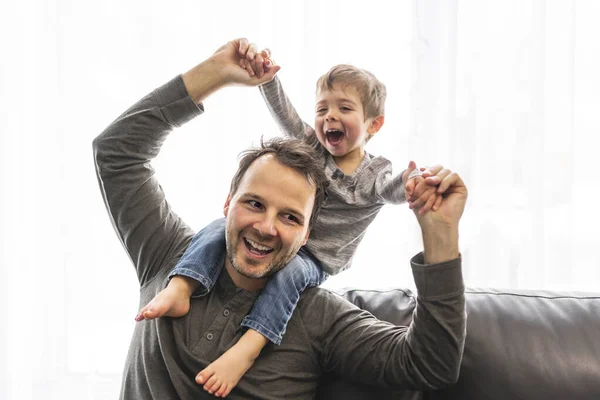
(334, 136)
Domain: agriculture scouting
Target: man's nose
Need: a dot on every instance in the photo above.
(266, 225)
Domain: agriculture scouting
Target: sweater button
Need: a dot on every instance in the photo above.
(209, 336)
(226, 313)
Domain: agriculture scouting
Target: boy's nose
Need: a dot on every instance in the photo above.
(330, 116)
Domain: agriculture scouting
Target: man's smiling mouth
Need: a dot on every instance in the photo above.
(257, 248)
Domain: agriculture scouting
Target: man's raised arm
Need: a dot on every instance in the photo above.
(150, 231)
(426, 354)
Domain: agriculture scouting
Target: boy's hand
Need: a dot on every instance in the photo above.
(257, 63)
(423, 197)
(421, 193)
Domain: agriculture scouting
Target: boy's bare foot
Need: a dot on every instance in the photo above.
(222, 375)
(172, 301)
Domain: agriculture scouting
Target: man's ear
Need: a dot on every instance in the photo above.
(306, 237)
(375, 125)
(226, 205)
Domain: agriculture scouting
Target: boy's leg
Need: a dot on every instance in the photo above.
(194, 275)
(274, 307)
(266, 322)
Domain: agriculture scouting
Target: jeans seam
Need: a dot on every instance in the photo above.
(194, 275)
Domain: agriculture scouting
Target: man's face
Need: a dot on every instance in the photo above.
(267, 221)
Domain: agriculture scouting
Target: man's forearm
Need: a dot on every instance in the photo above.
(204, 79)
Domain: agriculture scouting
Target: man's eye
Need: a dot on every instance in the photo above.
(292, 218)
(255, 204)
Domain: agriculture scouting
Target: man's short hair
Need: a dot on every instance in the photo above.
(371, 90)
(295, 154)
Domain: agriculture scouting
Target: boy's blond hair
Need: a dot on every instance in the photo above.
(371, 90)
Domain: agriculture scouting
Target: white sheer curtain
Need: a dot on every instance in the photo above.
(506, 93)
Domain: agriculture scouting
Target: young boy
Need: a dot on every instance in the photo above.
(349, 111)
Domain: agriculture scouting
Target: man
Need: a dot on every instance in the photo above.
(326, 333)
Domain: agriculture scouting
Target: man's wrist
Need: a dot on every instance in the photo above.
(440, 243)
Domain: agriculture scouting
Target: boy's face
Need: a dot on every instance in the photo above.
(267, 221)
(340, 123)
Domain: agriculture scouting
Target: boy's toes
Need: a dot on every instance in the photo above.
(223, 391)
(140, 316)
(212, 385)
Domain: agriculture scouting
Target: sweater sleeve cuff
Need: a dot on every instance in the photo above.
(176, 104)
(437, 280)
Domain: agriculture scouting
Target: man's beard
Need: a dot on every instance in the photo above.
(232, 253)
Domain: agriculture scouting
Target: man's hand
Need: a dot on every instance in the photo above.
(223, 69)
(440, 227)
(421, 196)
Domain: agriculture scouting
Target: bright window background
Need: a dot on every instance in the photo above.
(504, 92)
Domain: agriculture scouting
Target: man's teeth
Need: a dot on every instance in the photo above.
(258, 246)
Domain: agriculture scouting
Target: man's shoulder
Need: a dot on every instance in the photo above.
(323, 299)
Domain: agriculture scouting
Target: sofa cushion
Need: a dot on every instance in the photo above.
(520, 345)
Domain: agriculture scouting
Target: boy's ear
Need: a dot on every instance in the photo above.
(226, 205)
(375, 125)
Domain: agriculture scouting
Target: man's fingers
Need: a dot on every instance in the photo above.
(438, 177)
(242, 47)
(431, 171)
(451, 179)
(438, 202)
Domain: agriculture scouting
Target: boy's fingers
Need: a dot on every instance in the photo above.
(252, 49)
(411, 167)
(270, 73)
(409, 187)
(420, 201)
(429, 204)
(258, 65)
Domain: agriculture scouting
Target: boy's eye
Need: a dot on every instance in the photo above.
(346, 109)
(321, 110)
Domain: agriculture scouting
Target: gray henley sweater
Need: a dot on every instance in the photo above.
(325, 334)
(353, 200)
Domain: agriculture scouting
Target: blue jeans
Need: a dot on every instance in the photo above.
(203, 261)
